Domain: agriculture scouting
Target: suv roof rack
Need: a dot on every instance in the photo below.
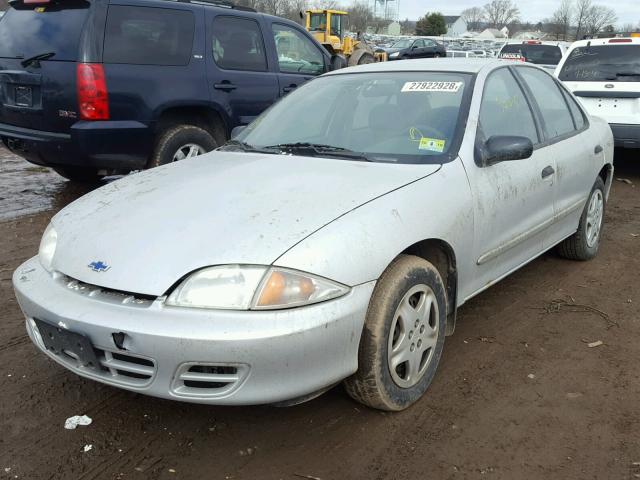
(220, 3)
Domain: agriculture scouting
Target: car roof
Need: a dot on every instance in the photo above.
(465, 65)
(607, 41)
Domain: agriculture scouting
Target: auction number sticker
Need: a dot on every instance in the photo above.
(451, 87)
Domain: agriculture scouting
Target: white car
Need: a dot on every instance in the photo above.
(334, 239)
(460, 54)
(543, 53)
(605, 76)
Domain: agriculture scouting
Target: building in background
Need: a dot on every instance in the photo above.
(493, 34)
(456, 25)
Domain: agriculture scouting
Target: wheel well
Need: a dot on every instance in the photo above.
(203, 117)
(606, 175)
(441, 255)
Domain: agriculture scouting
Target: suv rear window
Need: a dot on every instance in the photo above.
(602, 63)
(538, 54)
(30, 30)
(148, 36)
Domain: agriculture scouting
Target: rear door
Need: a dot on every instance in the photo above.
(240, 77)
(606, 80)
(298, 58)
(41, 95)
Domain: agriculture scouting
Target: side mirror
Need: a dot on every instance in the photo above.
(338, 62)
(413, 47)
(237, 131)
(506, 148)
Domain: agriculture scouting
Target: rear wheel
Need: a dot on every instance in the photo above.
(366, 58)
(79, 174)
(584, 244)
(181, 142)
(403, 336)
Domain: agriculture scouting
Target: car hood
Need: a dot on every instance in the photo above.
(150, 229)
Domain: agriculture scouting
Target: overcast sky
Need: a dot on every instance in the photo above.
(628, 11)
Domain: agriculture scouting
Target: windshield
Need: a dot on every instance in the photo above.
(610, 63)
(29, 30)
(402, 44)
(318, 22)
(538, 54)
(394, 117)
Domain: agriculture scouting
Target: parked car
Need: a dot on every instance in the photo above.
(605, 76)
(460, 54)
(416, 48)
(544, 54)
(264, 272)
(93, 88)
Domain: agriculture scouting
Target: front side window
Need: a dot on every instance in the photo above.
(237, 44)
(504, 109)
(148, 36)
(602, 63)
(296, 53)
(392, 117)
(555, 112)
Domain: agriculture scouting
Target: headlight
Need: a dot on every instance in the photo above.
(394, 55)
(48, 247)
(236, 287)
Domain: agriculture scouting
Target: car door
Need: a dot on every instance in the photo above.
(513, 205)
(569, 143)
(237, 67)
(417, 49)
(298, 60)
(430, 49)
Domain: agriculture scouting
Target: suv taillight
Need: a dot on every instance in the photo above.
(93, 98)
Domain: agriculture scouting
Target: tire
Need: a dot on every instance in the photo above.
(584, 244)
(79, 174)
(407, 280)
(437, 55)
(366, 58)
(187, 138)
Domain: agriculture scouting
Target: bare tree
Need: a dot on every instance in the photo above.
(499, 13)
(474, 17)
(583, 7)
(360, 15)
(597, 18)
(628, 27)
(562, 19)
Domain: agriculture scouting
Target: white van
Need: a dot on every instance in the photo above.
(605, 76)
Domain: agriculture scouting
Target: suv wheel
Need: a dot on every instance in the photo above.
(79, 174)
(181, 142)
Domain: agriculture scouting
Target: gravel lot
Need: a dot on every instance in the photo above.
(519, 393)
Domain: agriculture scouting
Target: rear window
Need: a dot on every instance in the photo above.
(148, 36)
(30, 30)
(604, 63)
(538, 54)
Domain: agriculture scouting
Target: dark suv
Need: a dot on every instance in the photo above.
(96, 87)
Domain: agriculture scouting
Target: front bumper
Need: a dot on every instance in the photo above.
(626, 136)
(109, 145)
(202, 356)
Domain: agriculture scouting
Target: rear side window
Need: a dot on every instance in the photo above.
(576, 112)
(504, 109)
(554, 109)
(148, 36)
(237, 44)
(538, 54)
(603, 63)
(30, 30)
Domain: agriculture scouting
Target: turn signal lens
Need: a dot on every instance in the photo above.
(285, 288)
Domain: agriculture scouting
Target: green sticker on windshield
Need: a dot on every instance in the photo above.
(432, 144)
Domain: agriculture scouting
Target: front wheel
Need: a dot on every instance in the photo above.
(403, 336)
(584, 244)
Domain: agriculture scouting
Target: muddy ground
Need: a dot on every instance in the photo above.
(519, 393)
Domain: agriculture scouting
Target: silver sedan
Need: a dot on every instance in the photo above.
(332, 240)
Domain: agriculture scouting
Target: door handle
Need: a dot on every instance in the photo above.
(290, 88)
(548, 171)
(226, 86)
(598, 149)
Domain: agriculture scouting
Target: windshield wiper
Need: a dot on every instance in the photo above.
(35, 60)
(319, 149)
(245, 147)
(627, 74)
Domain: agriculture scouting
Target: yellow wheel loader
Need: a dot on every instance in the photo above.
(328, 27)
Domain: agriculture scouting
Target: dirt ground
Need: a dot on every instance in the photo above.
(519, 393)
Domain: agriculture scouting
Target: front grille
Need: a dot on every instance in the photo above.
(106, 294)
(208, 380)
